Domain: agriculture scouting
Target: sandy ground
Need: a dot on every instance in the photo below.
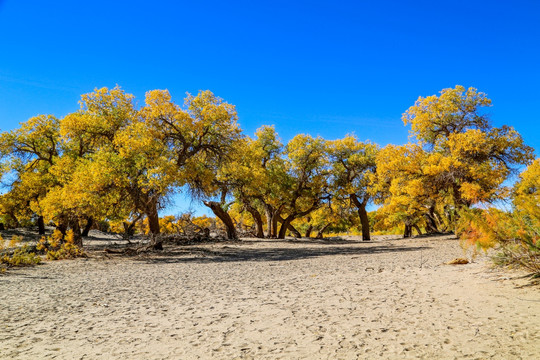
(271, 299)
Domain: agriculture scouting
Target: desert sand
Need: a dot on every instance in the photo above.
(272, 299)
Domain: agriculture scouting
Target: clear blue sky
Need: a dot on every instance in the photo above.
(319, 67)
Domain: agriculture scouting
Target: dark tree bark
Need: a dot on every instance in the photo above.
(62, 227)
(286, 223)
(417, 229)
(321, 231)
(88, 226)
(129, 229)
(75, 227)
(153, 224)
(268, 213)
(431, 223)
(309, 230)
(285, 226)
(41, 225)
(224, 217)
(291, 228)
(363, 215)
(257, 218)
(407, 233)
(275, 225)
(295, 232)
(364, 220)
(272, 216)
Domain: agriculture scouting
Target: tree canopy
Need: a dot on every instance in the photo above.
(112, 161)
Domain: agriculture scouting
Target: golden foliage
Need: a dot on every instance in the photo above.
(516, 235)
(57, 247)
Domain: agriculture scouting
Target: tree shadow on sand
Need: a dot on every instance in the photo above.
(241, 252)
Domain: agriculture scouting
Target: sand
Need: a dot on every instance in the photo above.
(272, 299)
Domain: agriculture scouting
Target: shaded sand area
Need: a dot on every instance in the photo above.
(272, 299)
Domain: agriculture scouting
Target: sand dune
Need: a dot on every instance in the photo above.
(272, 299)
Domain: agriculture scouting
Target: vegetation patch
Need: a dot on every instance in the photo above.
(57, 246)
(13, 254)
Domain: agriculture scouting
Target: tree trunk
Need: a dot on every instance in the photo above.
(275, 224)
(290, 227)
(41, 225)
(257, 218)
(364, 220)
(129, 230)
(417, 229)
(76, 228)
(309, 230)
(88, 226)
(272, 220)
(285, 226)
(459, 201)
(363, 215)
(440, 224)
(295, 232)
(408, 231)
(431, 223)
(268, 213)
(224, 217)
(321, 232)
(153, 224)
(62, 227)
(14, 219)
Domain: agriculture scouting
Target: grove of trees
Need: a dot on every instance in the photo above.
(113, 162)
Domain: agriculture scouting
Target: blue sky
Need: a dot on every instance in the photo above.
(318, 67)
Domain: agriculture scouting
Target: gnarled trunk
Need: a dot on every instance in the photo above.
(291, 228)
(407, 233)
(285, 226)
(309, 230)
(275, 225)
(363, 215)
(41, 225)
(295, 232)
(88, 226)
(269, 224)
(321, 231)
(364, 220)
(75, 227)
(129, 230)
(153, 223)
(62, 227)
(129, 227)
(257, 218)
(431, 223)
(272, 216)
(224, 217)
